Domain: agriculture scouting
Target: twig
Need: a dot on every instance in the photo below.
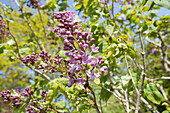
(143, 75)
(134, 62)
(115, 88)
(163, 93)
(151, 41)
(156, 79)
(134, 104)
(113, 10)
(28, 24)
(127, 99)
(165, 56)
(95, 102)
(15, 44)
(131, 75)
(148, 105)
(45, 34)
(118, 97)
(19, 57)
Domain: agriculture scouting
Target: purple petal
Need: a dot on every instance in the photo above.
(78, 81)
(72, 69)
(97, 76)
(88, 73)
(94, 49)
(69, 53)
(91, 79)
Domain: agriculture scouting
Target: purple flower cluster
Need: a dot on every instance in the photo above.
(14, 100)
(44, 94)
(154, 51)
(27, 92)
(33, 3)
(73, 35)
(51, 64)
(3, 29)
(23, 97)
(34, 109)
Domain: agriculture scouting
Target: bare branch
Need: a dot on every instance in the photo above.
(143, 74)
(156, 79)
(131, 75)
(45, 34)
(165, 56)
(118, 97)
(163, 93)
(127, 100)
(148, 105)
(153, 42)
(15, 44)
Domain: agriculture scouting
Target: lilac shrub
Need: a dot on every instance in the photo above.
(82, 65)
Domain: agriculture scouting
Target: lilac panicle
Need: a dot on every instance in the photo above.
(70, 30)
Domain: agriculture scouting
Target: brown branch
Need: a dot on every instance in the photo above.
(143, 75)
(28, 23)
(131, 75)
(15, 44)
(164, 53)
(94, 96)
(45, 34)
(113, 10)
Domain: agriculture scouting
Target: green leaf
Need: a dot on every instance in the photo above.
(22, 108)
(109, 29)
(10, 20)
(14, 93)
(105, 95)
(2, 47)
(94, 20)
(24, 51)
(78, 6)
(153, 3)
(60, 104)
(131, 51)
(10, 42)
(85, 3)
(166, 111)
(163, 3)
(144, 2)
(97, 81)
(125, 80)
(152, 93)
